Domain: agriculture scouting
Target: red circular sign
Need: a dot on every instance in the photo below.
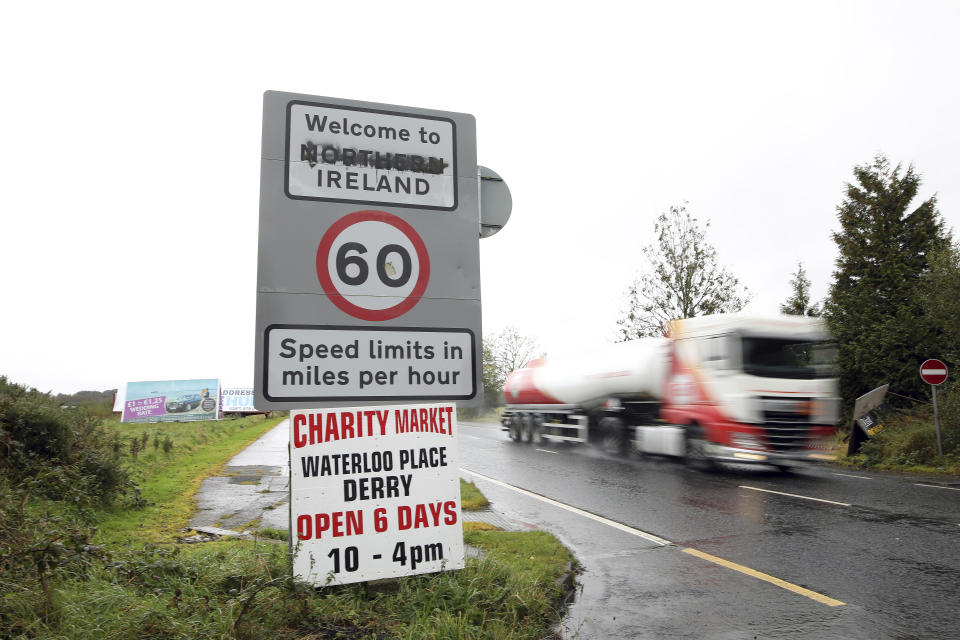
(356, 265)
(933, 371)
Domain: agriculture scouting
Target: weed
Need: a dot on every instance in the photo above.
(470, 497)
(274, 534)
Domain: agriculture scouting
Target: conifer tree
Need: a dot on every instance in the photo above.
(941, 295)
(875, 308)
(798, 304)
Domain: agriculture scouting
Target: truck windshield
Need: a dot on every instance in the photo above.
(782, 358)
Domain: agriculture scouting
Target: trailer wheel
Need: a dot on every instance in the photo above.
(695, 450)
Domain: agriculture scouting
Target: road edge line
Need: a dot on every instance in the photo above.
(611, 523)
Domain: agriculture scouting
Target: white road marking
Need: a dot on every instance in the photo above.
(547, 451)
(471, 437)
(936, 486)
(850, 475)
(572, 509)
(793, 495)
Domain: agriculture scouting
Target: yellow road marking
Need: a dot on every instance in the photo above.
(783, 584)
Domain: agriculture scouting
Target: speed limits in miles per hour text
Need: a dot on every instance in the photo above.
(306, 362)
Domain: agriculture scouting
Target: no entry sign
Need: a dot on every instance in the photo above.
(368, 276)
(933, 371)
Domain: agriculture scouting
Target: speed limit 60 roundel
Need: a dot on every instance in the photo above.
(933, 371)
(373, 265)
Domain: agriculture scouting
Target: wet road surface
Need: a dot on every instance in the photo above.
(732, 555)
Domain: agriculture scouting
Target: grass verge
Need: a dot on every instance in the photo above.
(169, 481)
(241, 589)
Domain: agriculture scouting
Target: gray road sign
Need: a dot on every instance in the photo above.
(368, 281)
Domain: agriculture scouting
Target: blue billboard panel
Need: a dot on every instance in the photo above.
(172, 400)
(234, 400)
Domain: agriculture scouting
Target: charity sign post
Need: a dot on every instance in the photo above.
(374, 492)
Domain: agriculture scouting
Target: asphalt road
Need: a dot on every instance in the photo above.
(671, 552)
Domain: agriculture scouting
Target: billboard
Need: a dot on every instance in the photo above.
(237, 400)
(172, 400)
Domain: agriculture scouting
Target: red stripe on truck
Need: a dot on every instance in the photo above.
(520, 388)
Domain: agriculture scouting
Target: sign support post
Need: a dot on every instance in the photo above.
(936, 421)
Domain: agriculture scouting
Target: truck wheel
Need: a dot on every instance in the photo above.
(695, 450)
(614, 437)
(515, 427)
(528, 427)
(536, 429)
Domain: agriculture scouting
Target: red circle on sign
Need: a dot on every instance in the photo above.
(933, 371)
(323, 273)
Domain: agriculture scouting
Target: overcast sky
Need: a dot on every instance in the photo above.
(131, 141)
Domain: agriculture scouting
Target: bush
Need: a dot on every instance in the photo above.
(67, 447)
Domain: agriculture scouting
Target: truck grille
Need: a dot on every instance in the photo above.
(786, 410)
(783, 438)
(786, 422)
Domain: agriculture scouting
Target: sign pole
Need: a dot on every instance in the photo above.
(936, 421)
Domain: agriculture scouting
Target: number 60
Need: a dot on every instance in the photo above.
(363, 271)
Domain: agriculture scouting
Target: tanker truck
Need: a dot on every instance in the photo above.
(722, 388)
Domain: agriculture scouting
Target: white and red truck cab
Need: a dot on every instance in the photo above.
(722, 388)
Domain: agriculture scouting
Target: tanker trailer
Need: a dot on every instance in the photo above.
(723, 388)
